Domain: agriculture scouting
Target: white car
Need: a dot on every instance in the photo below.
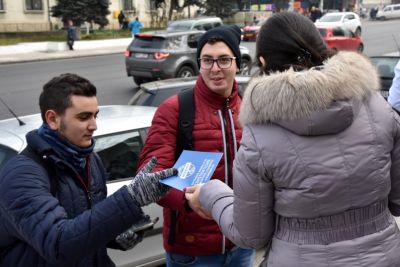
(121, 133)
(347, 20)
(389, 12)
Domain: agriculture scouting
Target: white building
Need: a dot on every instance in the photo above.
(33, 15)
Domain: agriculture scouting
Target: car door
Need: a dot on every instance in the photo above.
(350, 22)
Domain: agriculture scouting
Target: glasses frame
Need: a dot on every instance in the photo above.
(215, 60)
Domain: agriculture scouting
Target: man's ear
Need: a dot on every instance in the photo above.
(52, 119)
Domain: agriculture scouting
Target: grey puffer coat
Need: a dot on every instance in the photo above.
(317, 176)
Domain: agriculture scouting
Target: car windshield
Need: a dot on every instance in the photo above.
(331, 18)
(148, 42)
(180, 25)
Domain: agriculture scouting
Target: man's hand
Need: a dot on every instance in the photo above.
(192, 196)
(146, 188)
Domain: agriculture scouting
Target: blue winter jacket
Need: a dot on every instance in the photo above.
(71, 228)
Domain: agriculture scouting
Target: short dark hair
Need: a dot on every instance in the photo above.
(57, 92)
(289, 39)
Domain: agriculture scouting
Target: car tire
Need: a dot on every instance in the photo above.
(245, 66)
(138, 80)
(360, 48)
(358, 31)
(185, 71)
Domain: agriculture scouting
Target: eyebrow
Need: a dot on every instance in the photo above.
(85, 113)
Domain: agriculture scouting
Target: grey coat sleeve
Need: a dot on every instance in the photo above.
(245, 215)
(394, 196)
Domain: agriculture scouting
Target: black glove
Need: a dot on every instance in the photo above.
(145, 187)
(134, 235)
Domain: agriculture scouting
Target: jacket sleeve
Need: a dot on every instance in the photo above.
(394, 195)
(245, 215)
(34, 216)
(161, 143)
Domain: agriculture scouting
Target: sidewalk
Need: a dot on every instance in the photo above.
(39, 51)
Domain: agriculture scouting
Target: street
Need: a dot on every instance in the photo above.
(21, 83)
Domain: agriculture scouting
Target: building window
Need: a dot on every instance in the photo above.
(128, 5)
(33, 5)
(154, 4)
(1, 5)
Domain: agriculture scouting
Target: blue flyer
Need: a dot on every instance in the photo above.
(194, 167)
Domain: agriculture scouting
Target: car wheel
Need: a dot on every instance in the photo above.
(138, 80)
(358, 32)
(185, 71)
(245, 66)
(360, 48)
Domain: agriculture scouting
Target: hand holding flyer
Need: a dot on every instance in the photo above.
(194, 167)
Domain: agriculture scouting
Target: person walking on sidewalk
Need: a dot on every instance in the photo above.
(190, 240)
(71, 34)
(54, 207)
(135, 26)
(317, 175)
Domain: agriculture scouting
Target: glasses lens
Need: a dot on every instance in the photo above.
(224, 62)
(207, 63)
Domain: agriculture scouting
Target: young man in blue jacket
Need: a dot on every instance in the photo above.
(73, 225)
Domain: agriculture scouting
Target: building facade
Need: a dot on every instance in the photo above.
(34, 15)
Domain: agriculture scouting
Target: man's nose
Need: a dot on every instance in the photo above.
(93, 124)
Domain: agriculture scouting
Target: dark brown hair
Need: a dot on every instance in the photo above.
(289, 39)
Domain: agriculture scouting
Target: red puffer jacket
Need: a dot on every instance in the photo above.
(195, 236)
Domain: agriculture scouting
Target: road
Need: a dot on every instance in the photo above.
(21, 83)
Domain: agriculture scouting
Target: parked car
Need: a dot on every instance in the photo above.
(385, 66)
(338, 38)
(250, 32)
(199, 23)
(121, 133)
(163, 55)
(389, 12)
(346, 20)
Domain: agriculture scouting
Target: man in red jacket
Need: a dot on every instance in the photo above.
(190, 240)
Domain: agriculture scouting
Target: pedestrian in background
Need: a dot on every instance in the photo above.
(71, 34)
(54, 207)
(121, 19)
(190, 240)
(394, 90)
(316, 178)
(135, 26)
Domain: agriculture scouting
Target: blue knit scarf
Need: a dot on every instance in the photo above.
(74, 155)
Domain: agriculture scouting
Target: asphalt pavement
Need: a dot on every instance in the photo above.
(40, 51)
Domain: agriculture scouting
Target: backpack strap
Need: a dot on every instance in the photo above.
(184, 140)
(30, 153)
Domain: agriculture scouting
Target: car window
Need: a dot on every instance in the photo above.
(198, 27)
(5, 154)
(396, 8)
(193, 39)
(337, 32)
(347, 33)
(120, 153)
(174, 42)
(180, 25)
(217, 24)
(207, 26)
(148, 42)
(349, 17)
(331, 18)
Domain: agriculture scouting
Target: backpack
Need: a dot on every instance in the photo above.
(184, 141)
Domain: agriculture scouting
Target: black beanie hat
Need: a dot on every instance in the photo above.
(230, 35)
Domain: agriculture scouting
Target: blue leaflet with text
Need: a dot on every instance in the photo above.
(194, 167)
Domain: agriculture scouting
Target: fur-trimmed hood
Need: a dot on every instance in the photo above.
(284, 97)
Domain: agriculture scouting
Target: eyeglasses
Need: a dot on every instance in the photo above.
(223, 62)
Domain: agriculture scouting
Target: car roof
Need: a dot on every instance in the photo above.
(111, 119)
(197, 19)
(180, 82)
(339, 13)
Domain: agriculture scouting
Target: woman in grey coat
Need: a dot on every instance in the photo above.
(317, 176)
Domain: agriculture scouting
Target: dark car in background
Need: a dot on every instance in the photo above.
(385, 66)
(163, 55)
(339, 38)
(153, 93)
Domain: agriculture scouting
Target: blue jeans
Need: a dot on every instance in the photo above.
(236, 257)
